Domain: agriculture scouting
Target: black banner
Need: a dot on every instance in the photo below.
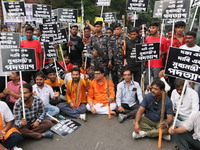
(137, 5)
(53, 20)
(103, 2)
(50, 52)
(109, 17)
(158, 7)
(67, 15)
(41, 11)
(15, 9)
(62, 37)
(183, 64)
(60, 69)
(9, 40)
(195, 3)
(176, 9)
(147, 51)
(18, 59)
(65, 127)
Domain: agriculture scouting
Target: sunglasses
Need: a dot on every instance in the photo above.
(155, 106)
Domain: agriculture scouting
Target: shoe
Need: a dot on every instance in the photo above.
(17, 148)
(141, 134)
(83, 117)
(167, 137)
(121, 118)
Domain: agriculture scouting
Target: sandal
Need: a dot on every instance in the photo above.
(48, 134)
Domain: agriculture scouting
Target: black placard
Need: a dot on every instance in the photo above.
(62, 37)
(65, 127)
(183, 64)
(9, 40)
(109, 17)
(146, 51)
(67, 15)
(195, 3)
(158, 7)
(15, 9)
(60, 69)
(137, 5)
(50, 52)
(176, 9)
(53, 20)
(41, 11)
(103, 2)
(18, 59)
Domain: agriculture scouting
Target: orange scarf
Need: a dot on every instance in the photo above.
(76, 94)
(9, 132)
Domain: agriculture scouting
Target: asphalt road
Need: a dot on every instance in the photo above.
(98, 133)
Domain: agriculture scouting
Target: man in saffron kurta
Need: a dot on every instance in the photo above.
(98, 94)
(76, 96)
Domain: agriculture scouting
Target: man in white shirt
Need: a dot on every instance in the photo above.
(190, 38)
(9, 137)
(188, 136)
(68, 76)
(128, 97)
(189, 104)
(45, 92)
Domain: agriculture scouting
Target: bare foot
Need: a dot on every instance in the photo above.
(113, 113)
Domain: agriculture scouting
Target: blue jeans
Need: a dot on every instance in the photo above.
(72, 112)
(14, 139)
(51, 110)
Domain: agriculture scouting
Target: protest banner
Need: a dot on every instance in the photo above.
(50, 52)
(158, 7)
(61, 38)
(67, 15)
(176, 9)
(9, 40)
(65, 127)
(15, 9)
(146, 51)
(183, 64)
(195, 3)
(60, 69)
(41, 11)
(137, 5)
(18, 59)
(103, 2)
(109, 17)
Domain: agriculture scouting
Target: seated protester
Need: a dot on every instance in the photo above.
(187, 136)
(34, 125)
(45, 92)
(98, 94)
(189, 104)
(76, 96)
(69, 65)
(128, 96)
(53, 82)
(149, 124)
(68, 76)
(9, 137)
(87, 68)
(12, 89)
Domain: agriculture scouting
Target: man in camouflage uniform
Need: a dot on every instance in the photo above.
(98, 47)
(116, 54)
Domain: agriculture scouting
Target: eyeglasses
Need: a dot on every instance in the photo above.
(155, 106)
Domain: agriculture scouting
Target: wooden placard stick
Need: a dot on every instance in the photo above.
(108, 91)
(22, 93)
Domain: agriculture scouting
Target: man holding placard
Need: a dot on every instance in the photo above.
(156, 64)
(34, 44)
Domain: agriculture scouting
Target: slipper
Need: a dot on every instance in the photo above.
(48, 134)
